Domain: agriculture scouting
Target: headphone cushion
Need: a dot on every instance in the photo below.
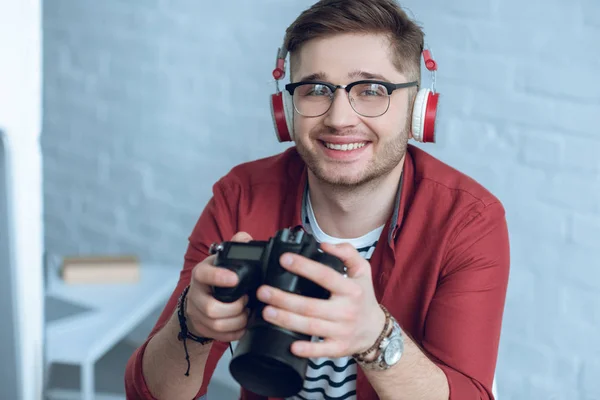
(419, 114)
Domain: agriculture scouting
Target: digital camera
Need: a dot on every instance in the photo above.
(262, 362)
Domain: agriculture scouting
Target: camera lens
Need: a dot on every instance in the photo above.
(263, 363)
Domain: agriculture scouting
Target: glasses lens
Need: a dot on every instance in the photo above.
(367, 99)
(370, 99)
(312, 100)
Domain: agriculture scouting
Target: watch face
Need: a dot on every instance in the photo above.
(393, 352)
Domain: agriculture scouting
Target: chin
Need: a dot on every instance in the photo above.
(343, 176)
(375, 166)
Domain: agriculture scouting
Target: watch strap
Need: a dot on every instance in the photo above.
(389, 349)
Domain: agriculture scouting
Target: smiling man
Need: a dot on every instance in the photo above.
(419, 314)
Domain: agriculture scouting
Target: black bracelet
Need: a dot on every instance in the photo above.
(184, 332)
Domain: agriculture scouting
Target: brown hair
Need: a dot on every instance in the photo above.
(329, 17)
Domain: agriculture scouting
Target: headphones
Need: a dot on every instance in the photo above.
(423, 114)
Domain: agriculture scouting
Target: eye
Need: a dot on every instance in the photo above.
(371, 89)
(317, 90)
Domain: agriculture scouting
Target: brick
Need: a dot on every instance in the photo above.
(591, 14)
(541, 257)
(512, 384)
(579, 46)
(545, 79)
(573, 191)
(520, 301)
(467, 9)
(540, 148)
(547, 307)
(580, 306)
(581, 154)
(550, 389)
(540, 220)
(544, 14)
(458, 33)
(538, 111)
(480, 71)
(578, 264)
(590, 388)
(518, 40)
(531, 357)
(586, 230)
(563, 327)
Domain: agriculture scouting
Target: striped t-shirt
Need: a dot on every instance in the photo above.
(333, 379)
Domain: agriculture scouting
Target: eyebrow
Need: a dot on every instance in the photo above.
(321, 76)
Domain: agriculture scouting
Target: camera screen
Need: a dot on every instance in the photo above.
(237, 252)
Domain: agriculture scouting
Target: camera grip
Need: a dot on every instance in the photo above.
(334, 263)
(331, 261)
(230, 294)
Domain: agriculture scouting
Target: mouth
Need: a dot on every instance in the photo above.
(344, 152)
(345, 146)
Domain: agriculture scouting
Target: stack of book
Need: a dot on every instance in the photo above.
(100, 269)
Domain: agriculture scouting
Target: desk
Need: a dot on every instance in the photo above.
(110, 313)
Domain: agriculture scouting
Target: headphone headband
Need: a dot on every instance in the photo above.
(279, 71)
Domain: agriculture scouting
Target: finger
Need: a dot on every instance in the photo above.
(321, 274)
(356, 265)
(326, 348)
(204, 302)
(206, 273)
(241, 237)
(298, 304)
(299, 323)
(222, 325)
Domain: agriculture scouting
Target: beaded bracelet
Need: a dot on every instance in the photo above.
(388, 320)
(184, 332)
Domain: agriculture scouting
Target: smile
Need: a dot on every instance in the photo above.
(345, 146)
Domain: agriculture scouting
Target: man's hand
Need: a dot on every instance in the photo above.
(208, 317)
(349, 321)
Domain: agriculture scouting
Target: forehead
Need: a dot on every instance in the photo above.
(338, 56)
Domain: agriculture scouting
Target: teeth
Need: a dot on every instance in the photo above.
(344, 147)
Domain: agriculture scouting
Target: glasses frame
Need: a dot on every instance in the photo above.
(390, 87)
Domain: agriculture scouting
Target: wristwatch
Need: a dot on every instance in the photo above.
(391, 349)
(392, 346)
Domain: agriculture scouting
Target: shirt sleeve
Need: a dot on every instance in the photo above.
(462, 332)
(217, 223)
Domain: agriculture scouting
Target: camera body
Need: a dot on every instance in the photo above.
(262, 361)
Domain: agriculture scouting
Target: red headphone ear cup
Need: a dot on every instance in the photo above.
(430, 116)
(424, 114)
(278, 111)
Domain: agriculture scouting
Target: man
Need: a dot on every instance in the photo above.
(420, 239)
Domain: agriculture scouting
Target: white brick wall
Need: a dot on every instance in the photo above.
(147, 103)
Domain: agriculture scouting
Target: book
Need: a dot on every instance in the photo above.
(100, 269)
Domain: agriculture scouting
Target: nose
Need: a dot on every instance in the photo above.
(341, 114)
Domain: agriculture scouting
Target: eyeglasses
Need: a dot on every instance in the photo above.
(367, 98)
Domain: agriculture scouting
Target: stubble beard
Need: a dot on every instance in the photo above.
(389, 155)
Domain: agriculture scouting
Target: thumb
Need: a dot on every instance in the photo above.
(241, 237)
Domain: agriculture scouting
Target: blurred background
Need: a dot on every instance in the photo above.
(116, 118)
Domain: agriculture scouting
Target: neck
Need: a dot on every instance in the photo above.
(353, 211)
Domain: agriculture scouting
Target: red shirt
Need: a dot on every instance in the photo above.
(440, 267)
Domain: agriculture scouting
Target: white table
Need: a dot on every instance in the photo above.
(114, 310)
